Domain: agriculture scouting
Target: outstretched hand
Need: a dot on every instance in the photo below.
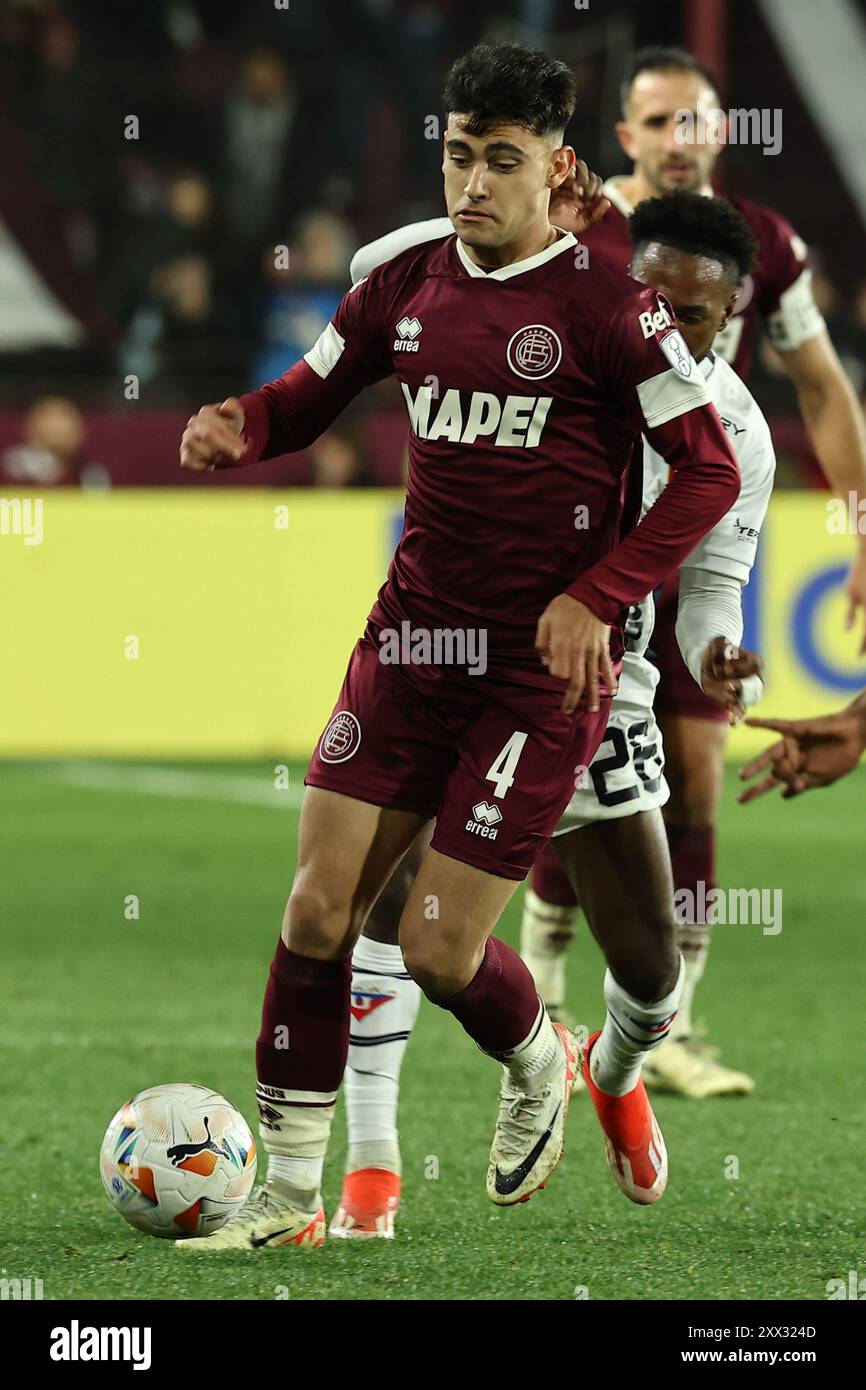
(811, 753)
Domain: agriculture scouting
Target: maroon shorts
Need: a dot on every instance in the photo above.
(494, 760)
(677, 692)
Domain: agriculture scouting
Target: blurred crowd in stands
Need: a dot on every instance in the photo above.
(183, 185)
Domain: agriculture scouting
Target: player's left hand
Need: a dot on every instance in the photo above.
(578, 202)
(575, 646)
(855, 592)
(723, 669)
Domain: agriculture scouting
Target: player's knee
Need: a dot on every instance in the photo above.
(319, 920)
(439, 972)
(422, 963)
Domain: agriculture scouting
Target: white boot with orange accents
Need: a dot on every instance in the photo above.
(533, 1104)
(267, 1221)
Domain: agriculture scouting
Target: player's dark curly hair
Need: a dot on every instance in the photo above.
(660, 59)
(509, 84)
(701, 226)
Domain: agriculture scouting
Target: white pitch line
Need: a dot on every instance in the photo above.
(172, 782)
(143, 1041)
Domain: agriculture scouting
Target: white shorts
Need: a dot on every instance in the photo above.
(627, 773)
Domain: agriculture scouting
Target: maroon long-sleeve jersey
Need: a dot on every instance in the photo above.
(527, 390)
(779, 290)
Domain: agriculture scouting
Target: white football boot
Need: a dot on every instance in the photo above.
(266, 1221)
(530, 1131)
(687, 1067)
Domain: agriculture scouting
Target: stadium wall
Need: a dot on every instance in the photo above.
(163, 624)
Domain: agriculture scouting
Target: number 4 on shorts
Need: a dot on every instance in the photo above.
(504, 765)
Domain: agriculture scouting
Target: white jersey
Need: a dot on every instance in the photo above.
(627, 773)
(729, 548)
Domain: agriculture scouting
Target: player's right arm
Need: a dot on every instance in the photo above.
(656, 384)
(712, 578)
(290, 413)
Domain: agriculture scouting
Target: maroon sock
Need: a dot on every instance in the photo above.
(500, 1004)
(550, 881)
(693, 856)
(304, 1038)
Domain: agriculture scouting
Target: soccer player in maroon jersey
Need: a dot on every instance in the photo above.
(659, 83)
(696, 252)
(485, 673)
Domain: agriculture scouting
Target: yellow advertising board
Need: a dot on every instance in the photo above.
(795, 613)
(175, 624)
(168, 624)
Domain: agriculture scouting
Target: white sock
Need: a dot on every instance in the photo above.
(536, 1051)
(385, 1002)
(694, 942)
(294, 1127)
(631, 1031)
(545, 933)
(298, 1179)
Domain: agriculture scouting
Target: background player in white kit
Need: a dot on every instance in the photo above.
(611, 837)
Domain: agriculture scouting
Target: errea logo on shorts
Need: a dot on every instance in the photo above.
(408, 331)
(342, 738)
(484, 820)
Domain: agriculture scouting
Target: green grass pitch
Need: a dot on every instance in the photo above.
(96, 1007)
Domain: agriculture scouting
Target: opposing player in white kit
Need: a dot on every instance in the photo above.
(611, 838)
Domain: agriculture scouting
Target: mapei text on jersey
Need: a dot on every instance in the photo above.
(463, 417)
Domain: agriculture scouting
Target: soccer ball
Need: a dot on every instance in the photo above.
(178, 1161)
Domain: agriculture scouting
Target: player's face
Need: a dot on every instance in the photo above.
(699, 289)
(648, 134)
(497, 186)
